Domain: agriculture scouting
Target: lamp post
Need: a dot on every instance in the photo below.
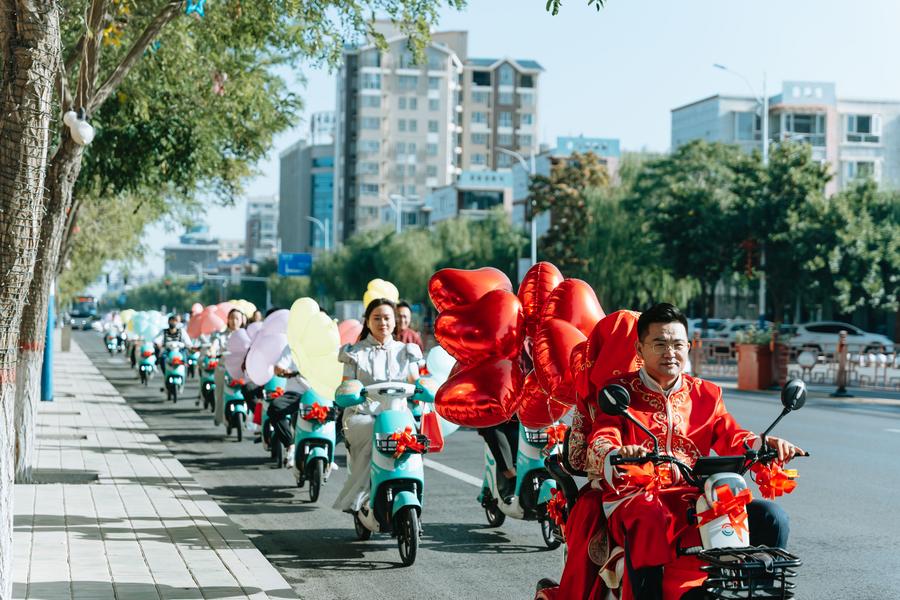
(530, 169)
(764, 104)
(324, 229)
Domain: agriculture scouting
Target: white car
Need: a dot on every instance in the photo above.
(727, 334)
(712, 326)
(822, 336)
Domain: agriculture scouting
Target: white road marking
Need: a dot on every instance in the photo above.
(464, 477)
(893, 430)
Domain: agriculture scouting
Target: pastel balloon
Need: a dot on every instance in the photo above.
(253, 329)
(223, 308)
(238, 345)
(537, 285)
(314, 339)
(207, 322)
(379, 288)
(450, 288)
(536, 407)
(552, 353)
(439, 363)
(248, 308)
(574, 301)
(196, 308)
(349, 331)
(276, 322)
(490, 327)
(265, 350)
(481, 395)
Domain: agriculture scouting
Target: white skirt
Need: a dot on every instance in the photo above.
(358, 430)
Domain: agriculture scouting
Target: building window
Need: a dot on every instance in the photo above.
(479, 117)
(479, 159)
(369, 145)
(862, 128)
(507, 75)
(437, 61)
(432, 149)
(526, 100)
(434, 83)
(371, 101)
(434, 104)
(481, 78)
(481, 97)
(411, 148)
(807, 128)
(368, 189)
(504, 160)
(505, 98)
(413, 125)
(370, 122)
(411, 170)
(747, 126)
(860, 169)
(504, 139)
(431, 171)
(371, 81)
(525, 141)
(479, 138)
(432, 126)
(413, 103)
(401, 125)
(526, 119)
(401, 102)
(370, 59)
(400, 149)
(526, 81)
(505, 119)
(367, 168)
(407, 82)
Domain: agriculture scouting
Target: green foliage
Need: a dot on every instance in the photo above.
(564, 194)
(285, 290)
(553, 6)
(755, 335)
(169, 292)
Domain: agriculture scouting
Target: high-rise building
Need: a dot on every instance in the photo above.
(857, 137)
(474, 194)
(230, 249)
(321, 128)
(306, 190)
(500, 98)
(195, 252)
(262, 228)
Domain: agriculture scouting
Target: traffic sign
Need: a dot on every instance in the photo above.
(194, 286)
(294, 265)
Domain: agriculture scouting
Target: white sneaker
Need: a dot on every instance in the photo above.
(290, 457)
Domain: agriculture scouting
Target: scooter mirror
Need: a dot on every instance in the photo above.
(614, 400)
(793, 396)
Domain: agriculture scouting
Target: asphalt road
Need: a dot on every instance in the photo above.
(844, 521)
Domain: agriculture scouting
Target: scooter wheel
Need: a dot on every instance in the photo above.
(240, 426)
(408, 535)
(549, 535)
(174, 394)
(362, 532)
(495, 517)
(316, 473)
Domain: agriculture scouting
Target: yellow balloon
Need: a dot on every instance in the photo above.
(314, 341)
(126, 315)
(379, 288)
(246, 307)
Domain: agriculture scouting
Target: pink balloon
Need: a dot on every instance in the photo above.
(254, 328)
(196, 307)
(206, 322)
(276, 322)
(349, 331)
(223, 308)
(265, 350)
(238, 344)
(193, 327)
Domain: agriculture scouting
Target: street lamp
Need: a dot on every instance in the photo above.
(324, 229)
(531, 170)
(764, 103)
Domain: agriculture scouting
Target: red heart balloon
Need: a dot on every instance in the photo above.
(552, 352)
(536, 407)
(577, 364)
(610, 353)
(490, 327)
(482, 395)
(449, 288)
(574, 301)
(540, 280)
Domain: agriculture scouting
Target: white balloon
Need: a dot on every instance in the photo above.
(85, 132)
(70, 117)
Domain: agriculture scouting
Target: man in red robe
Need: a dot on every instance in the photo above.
(689, 418)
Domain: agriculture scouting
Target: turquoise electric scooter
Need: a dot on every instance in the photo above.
(235, 408)
(533, 489)
(208, 366)
(146, 364)
(394, 504)
(173, 360)
(273, 389)
(314, 438)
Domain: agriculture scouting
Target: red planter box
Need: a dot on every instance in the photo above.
(754, 367)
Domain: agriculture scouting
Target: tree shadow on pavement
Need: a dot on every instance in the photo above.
(100, 590)
(472, 538)
(324, 549)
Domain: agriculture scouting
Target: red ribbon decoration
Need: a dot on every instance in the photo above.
(728, 504)
(236, 383)
(177, 361)
(773, 481)
(556, 508)
(648, 476)
(147, 353)
(212, 364)
(276, 393)
(406, 442)
(555, 435)
(317, 412)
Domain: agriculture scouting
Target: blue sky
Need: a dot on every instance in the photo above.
(619, 72)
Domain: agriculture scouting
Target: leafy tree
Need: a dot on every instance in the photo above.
(564, 194)
(553, 6)
(687, 203)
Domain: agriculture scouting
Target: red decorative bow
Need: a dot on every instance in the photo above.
(728, 504)
(773, 481)
(317, 412)
(236, 383)
(556, 508)
(406, 442)
(177, 361)
(555, 435)
(212, 364)
(648, 476)
(276, 393)
(147, 353)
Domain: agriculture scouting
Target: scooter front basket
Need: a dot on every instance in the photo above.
(755, 572)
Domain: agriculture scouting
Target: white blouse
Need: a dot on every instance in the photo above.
(372, 362)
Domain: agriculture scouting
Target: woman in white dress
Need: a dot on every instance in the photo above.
(375, 358)
(236, 320)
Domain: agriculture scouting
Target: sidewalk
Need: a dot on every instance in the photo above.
(859, 396)
(115, 515)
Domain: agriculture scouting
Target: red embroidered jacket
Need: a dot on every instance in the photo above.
(690, 424)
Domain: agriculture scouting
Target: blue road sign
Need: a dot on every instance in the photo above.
(195, 286)
(294, 265)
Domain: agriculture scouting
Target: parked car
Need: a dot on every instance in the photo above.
(712, 325)
(727, 334)
(822, 336)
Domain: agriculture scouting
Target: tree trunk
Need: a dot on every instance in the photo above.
(29, 47)
(60, 181)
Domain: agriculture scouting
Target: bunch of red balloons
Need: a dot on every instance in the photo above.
(517, 353)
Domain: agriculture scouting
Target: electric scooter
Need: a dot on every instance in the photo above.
(173, 361)
(273, 389)
(394, 504)
(112, 340)
(314, 439)
(533, 486)
(208, 366)
(235, 406)
(193, 360)
(146, 364)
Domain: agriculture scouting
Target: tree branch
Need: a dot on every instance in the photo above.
(87, 74)
(167, 14)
